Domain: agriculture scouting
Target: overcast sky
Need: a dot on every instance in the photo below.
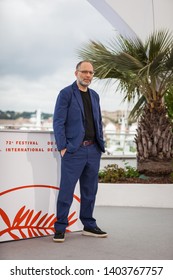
(38, 51)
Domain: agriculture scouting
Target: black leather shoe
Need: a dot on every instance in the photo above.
(95, 232)
(59, 236)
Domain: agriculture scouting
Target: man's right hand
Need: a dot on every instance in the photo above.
(62, 152)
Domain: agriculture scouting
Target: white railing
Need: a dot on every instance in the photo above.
(120, 144)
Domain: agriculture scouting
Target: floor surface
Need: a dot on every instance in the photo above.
(133, 234)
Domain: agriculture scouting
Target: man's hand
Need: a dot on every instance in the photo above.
(62, 152)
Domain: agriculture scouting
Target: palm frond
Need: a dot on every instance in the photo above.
(144, 68)
(137, 109)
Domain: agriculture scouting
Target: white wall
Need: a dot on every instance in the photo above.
(135, 195)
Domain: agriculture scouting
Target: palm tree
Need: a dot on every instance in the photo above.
(169, 103)
(143, 71)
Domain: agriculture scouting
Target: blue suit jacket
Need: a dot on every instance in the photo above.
(69, 119)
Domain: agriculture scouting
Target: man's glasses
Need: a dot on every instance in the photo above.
(85, 72)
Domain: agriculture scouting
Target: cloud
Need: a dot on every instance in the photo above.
(40, 36)
(38, 50)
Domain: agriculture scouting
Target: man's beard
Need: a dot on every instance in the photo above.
(85, 84)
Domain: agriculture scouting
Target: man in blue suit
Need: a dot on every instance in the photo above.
(77, 125)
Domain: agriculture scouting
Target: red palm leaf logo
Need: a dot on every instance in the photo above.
(28, 223)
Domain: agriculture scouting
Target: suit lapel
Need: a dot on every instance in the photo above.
(93, 104)
(79, 98)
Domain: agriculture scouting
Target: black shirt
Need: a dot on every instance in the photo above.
(89, 120)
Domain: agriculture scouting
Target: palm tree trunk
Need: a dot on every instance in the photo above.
(154, 141)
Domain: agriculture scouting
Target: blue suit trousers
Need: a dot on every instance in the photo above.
(83, 165)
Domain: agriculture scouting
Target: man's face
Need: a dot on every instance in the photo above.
(84, 74)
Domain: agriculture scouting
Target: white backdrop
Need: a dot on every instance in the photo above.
(29, 183)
